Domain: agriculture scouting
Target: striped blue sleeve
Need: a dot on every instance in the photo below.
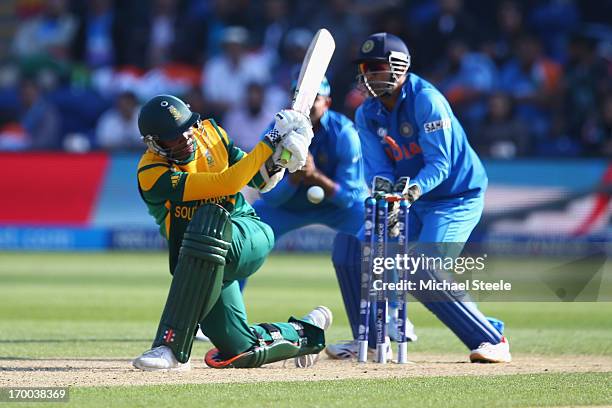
(433, 117)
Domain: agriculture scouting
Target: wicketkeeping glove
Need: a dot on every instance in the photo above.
(381, 186)
(410, 191)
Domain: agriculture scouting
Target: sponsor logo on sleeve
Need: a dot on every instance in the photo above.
(437, 125)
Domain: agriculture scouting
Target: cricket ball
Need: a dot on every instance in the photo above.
(315, 194)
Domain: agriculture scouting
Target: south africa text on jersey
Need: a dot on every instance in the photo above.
(187, 211)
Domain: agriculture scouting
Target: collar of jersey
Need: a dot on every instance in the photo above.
(403, 95)
(324, 121)
(323, 128)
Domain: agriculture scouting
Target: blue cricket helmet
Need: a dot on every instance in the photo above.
(379, 46)
(382, 48)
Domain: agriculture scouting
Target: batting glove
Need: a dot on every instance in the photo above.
(286, 121)
(271, 174)
(297, 142)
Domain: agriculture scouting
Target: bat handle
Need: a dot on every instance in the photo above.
(285, 157)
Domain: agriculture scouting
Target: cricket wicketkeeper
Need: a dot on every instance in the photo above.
(190, 179)
(414, 145)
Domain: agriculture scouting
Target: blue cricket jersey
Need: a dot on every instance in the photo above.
(336, 150)
(421, 138)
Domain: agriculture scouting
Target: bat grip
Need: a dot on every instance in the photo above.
(285, 157)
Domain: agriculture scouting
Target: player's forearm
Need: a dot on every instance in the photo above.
(341, 194)
(344, 196)
(431, 176)
(373, 168)
(200, 186)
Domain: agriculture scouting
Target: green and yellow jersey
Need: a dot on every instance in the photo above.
(216, 174)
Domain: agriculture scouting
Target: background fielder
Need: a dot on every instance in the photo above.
(335, 164)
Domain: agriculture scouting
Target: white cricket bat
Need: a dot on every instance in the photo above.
(313, 69)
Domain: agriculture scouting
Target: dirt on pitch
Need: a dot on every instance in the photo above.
(119, 372)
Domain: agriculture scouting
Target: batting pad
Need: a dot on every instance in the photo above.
(198, 278)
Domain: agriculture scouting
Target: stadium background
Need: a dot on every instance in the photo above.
(531, 82)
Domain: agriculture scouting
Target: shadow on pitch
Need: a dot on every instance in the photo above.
(79, 340)
(21, 358)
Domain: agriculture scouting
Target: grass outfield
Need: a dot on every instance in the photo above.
(107, 305)
(504, 391)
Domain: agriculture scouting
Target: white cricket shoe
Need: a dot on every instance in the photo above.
(394, 333)
(159, 358)
(321, 317)
(492, 353)
(200, 336)
(348, 349)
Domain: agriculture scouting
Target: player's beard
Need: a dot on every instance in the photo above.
(183, 151)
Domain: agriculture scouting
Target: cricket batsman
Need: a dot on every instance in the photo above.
(190, 178)
(408, 130)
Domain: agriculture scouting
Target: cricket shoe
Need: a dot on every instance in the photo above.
(394, 332)
(159, 358)
(200, 336)
(321, 317)
(348, 349)
(492, 353)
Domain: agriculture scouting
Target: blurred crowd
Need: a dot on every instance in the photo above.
(526, 78)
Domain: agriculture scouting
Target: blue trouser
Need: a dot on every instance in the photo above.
(444, 221)
(453, 221)
(347, 220)
(281, 220)
(441, 221)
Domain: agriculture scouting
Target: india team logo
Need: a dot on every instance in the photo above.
(367, 46)
(406, 129)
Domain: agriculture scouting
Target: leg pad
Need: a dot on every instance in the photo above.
(198, 278)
